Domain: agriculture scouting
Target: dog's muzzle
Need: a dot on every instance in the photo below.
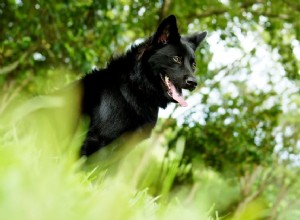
(191, 83)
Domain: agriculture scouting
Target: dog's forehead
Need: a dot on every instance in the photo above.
(187, 47)
(180, 49)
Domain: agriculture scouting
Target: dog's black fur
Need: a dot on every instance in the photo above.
(126, 96)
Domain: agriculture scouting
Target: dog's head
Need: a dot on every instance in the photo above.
(173, 59)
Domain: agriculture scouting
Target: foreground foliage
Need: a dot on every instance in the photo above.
(42, 178)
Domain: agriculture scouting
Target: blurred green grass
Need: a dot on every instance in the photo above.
(41, 176)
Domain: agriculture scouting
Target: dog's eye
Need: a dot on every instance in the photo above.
(194, 65)
(177, 59)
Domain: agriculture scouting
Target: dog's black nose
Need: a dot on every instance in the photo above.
(191, 83)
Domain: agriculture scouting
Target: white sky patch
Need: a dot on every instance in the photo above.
(191, 26)
(259, 78)
(38, 57)
(231, 89)
(224, 2)
(126, 8)
(296, 49)
(164, 113)
(222, 55)
(248, 42)
(141, 11)
(19, 2)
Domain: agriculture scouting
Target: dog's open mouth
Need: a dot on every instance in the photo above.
(173, 92)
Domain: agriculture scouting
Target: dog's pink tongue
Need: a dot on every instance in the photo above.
(179, 98)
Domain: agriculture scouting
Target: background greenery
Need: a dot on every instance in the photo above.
(233, 154)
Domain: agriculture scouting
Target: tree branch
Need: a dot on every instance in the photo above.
(245, 6)
(271, 15)
(211, 12)
(292, 5)
(243, 204)
(11, 67)
(9, 96)
(224, 10)
(164, 9)
(281, 195)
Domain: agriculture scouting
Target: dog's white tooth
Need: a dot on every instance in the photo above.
(166, 79)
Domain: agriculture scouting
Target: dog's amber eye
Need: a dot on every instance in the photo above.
(194, 65)
(177, 59)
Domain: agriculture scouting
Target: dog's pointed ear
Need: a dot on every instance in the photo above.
(195, 39)
(167, 31)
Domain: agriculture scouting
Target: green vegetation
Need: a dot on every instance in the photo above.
(234, 154)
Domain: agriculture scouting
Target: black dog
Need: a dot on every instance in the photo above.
(126, 96)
